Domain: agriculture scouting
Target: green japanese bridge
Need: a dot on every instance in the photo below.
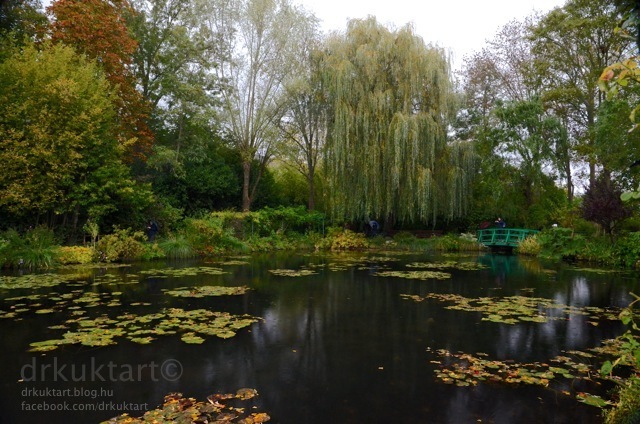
(503, 238)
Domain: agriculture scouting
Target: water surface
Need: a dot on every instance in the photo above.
(339, 346)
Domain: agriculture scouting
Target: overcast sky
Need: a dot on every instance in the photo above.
(461, 26)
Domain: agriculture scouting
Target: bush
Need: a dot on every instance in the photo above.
(404, 237)
(209, 236)
(37, 249)
(76, 255)
(269, 221)
(530, 246)
(121, 245)
(560, 243)
(152, 251)
(627, 250)
(627, 409)
(177, 246)
(339, 239)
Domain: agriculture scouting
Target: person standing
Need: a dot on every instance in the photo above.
(152, 230)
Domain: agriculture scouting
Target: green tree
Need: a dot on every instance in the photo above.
(612, 129)
(23, 18)
(265, 39)
(525, 136)
(173, 64)
(387, 154)
(61, 158)
(572, 45)
(304, 124)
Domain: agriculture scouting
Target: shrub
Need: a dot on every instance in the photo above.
(269, 221)
(560, 243)
(446, 243)
(208, 236)
(36, 249)
(177, 246)
(530, 246)
(627, 408)
(627, 249)
(404, 237)
(339, 239)
(76, 255)
(121, 245)
(152, 251)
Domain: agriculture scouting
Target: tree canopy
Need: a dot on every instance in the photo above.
(61, 158)
(387, 152)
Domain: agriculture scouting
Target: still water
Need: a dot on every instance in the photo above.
(340, 345)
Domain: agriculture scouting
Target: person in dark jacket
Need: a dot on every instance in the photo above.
(152, 230)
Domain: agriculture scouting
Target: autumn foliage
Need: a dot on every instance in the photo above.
(98, 29)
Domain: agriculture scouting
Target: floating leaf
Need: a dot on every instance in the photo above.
(191, 338)
(592, 400)
(205, 291)
(292, 272)
(102, 331)
(415, 275)
(183, 272)
(514, 309)
(178, 409)
(466, 266)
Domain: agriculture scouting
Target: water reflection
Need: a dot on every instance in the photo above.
(343, 346)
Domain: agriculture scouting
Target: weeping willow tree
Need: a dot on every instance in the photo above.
(387, 154)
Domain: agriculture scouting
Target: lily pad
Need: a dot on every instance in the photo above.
(592, 400)
(205, 291)
(514, 309)
(292, 272)
(104, 330)
(178, 409)
(415, 275)
(466, 266)
(183, 272)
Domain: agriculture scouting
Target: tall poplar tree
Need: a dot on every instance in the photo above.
(387, 154)
(265, 39)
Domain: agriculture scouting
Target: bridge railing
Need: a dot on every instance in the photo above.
(508, 237)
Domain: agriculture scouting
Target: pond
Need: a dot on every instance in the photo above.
(323, 338)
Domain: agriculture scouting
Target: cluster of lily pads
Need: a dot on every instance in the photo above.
(143, 329)
(206, 291)
(31, 281)
(465, 266)
(415, 275)
(103, 330)
(183, 272)
(514, 309)
(378, 264)
(465, 369)
(179, 409)
(468, 369)
(292, 272)
(73, 301)
(429, 274)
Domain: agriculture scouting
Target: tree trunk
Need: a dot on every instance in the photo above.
(246, 181)
(74, 225)
(569, 188)
(312, 193)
